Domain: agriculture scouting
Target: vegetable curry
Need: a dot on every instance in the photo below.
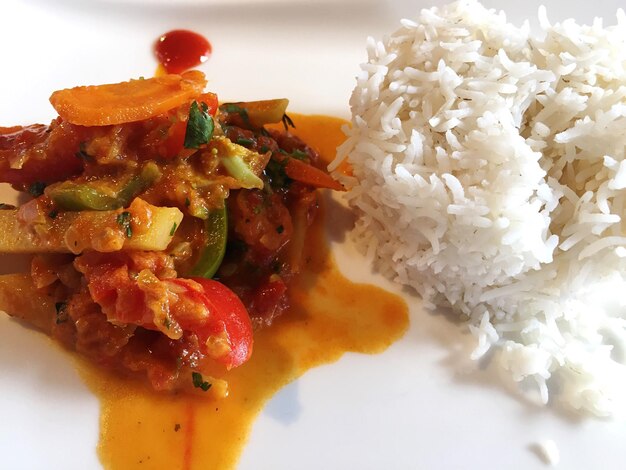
(165, 227)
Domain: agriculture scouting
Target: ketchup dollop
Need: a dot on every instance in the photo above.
(180, 50)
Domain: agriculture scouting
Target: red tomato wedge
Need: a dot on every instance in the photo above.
(228, 319)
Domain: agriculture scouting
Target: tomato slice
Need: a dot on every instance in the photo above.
(228, 319)
(203, 307)
(210, 99)
(175, 139)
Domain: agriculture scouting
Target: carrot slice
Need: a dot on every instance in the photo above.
(118, 103)
(308, 174)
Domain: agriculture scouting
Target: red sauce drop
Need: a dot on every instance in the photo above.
(180, 50)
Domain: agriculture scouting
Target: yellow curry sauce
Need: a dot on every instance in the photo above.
(329, 315)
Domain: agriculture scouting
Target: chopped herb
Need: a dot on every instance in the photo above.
(36, 189)
(245, 142)
(4, 206)
(173, 231)
(123, 220)
(176, 427)
(187, 202)
(61, 309)
(235, 109)
(53, 214)
(287, 122)
(82, 153)
(275, 171)
(264, 149)
(199, 382)
(200, 126)
(167, 323)
(280, 229)
(299, 155)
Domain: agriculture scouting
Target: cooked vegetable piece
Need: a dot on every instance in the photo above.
(199, 126)
(308, 174)
(237, 168)
(73, 196)
(76, 232)
(210, 100)
(259, 113)
(26, 153)
(21, 299)
(213, 252)
(243, 164)
(135, 100)
(173, 306)
(229, 323)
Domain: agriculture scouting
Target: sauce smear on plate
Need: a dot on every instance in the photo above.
(181, 50)
(329, 315)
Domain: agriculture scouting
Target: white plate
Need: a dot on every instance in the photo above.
(411, 407)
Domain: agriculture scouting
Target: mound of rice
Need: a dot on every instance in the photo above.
(490, 174)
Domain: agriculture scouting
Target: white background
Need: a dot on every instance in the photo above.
(417, 406)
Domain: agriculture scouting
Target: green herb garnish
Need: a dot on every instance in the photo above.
(245, 142)
(200, 126)
(280, 229)
(299, 155)
(173, 231)
(232, 108)
(287, 122)
(199, 382)
(53, 214)
(36, 189)
(123, 220)
(275, 171)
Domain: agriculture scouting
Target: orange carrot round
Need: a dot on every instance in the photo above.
(135, 100)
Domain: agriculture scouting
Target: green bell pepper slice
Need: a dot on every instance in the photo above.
(73, 196)
(213, 252)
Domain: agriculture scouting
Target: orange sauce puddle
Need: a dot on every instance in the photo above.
(329, 316)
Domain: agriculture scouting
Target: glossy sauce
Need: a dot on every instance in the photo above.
(329, 316)
(181, 50)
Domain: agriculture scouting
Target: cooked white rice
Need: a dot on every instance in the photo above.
(489, 174)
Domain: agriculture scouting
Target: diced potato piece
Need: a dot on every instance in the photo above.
(20, 298)
(140, 227)
(265, 111)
